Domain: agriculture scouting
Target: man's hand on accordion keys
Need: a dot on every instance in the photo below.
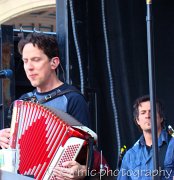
(70, 170)
(5, 138)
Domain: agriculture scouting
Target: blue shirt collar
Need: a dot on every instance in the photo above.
(162, 138)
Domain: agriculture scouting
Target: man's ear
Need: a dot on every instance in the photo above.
(55, 61)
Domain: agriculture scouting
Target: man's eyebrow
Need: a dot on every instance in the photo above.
(142, 110)
(32, 58)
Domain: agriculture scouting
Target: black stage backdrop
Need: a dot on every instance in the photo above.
(127, 41)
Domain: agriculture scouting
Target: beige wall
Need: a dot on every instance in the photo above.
(13, 8)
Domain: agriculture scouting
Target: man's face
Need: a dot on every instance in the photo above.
(144, 117)
(37, 66)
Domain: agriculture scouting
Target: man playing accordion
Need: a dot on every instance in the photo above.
(41, 60)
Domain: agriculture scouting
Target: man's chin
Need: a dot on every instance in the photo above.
(148, 130)
(34, 84)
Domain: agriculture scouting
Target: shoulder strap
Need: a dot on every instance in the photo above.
(31, 97)
(56, 94)
(162, 152)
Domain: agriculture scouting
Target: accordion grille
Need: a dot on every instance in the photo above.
(37, 133)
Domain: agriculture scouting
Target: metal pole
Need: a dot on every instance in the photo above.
(152, 87)
(62, 35)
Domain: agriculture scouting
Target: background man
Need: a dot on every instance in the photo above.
(137, 162)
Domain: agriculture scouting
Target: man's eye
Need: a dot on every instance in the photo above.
(24, 60)
(36, 60)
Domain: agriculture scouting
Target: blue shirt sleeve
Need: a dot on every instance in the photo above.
(122, 175)
(169, 161)
(78, 108)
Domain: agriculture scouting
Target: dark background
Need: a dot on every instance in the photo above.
(127, 42)
(127, 39)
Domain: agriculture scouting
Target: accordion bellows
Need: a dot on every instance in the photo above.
(44, 138)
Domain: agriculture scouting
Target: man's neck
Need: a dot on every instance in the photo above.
(148, 136)
(50, 86)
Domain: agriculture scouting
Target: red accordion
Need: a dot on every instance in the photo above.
(44, 138)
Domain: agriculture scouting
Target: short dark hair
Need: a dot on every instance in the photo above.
(47, 43)
(145, 98)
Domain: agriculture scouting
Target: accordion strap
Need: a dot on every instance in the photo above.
(56, 94)
(31, 95)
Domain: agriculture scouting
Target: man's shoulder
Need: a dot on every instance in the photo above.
(71, 92)
(133, 150)
(66, 86)
(171, 140)
(27, 94)
(132, 155)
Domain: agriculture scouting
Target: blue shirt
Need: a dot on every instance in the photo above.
(137, 163)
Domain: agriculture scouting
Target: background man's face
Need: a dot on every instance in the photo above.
(144, 117)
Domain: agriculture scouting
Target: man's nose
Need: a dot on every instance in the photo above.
(148, 113)
(29, 65)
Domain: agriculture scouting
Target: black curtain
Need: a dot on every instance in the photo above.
(127, 42)
(126, 30)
